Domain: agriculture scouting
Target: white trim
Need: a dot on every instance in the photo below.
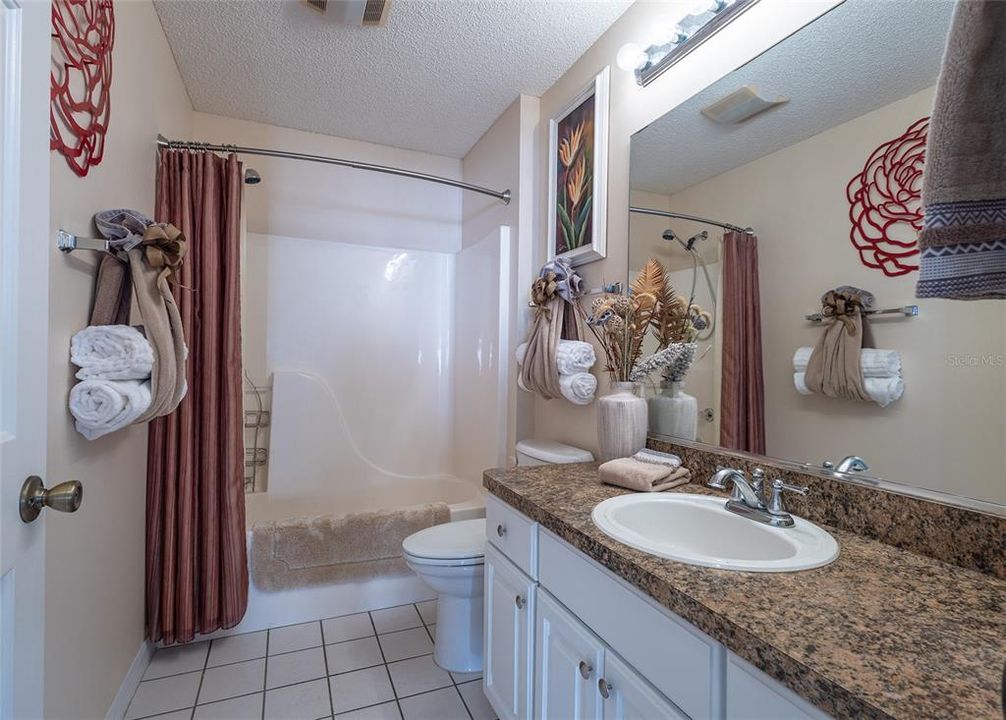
(597, 249)
(117, 710)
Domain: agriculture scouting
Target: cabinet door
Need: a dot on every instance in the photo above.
(630, 697)
(508, 637)
(569, 659)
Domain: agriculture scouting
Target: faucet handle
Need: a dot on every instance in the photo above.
(758, 479)
(776, 506)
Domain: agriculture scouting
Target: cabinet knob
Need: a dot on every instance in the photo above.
(586, 669)
(500, 530)
(520, 602)
(604, 687)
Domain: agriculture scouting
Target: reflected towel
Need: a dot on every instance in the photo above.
(104, 406)
(641, 476)
(882, 391)
(658, 458)
(873, 362)
(579, 389)
(111, 352)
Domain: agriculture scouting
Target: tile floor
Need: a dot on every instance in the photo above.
(374, 665)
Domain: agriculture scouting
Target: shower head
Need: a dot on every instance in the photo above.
(252, 177)
(704, 235)
(669, 235)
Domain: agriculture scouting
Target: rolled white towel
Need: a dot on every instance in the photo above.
(882, 391)
(574, 356)
(104, 406)
(111, 352)
(579, 388)
(655, 457)
(872, 361)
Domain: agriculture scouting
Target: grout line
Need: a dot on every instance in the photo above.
(265, 671)
(324, 655)
(387, 670)
(202, 676)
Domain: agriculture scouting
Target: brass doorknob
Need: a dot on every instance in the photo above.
(65, 497)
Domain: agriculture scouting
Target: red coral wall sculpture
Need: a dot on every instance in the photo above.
(83, 32)
(885, 203)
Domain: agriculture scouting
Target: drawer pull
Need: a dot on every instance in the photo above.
(604, 687)
(586, 669)
(519, 602)
(500, 530)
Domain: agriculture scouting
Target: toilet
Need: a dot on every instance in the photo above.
(450, 559)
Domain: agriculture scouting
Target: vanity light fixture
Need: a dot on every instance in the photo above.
(740, 105)
(672, 41)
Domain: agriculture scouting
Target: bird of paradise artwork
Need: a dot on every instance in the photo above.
(575, 179)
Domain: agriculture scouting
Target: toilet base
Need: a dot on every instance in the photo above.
(458, 644)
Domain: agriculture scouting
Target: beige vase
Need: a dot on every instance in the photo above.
(621, 421)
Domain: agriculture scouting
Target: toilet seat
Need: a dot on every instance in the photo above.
(449, 545)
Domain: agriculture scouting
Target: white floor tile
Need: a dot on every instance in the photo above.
(294, 637)
(227, 681)
(417, 675)
(433, 631)
(476, 701)
(406, 644)
(428, 611)
(459, 678)
(295, 667)
(360, 688)
(237, 648)
(185, 714)
(298, 702)
(440, 705)
(347, 627)
(387, 711)
(396, 618)
(177, 659)
(239, 708)
(164, 695)
(353, 655)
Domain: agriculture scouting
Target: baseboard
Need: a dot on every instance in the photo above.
(117, 710)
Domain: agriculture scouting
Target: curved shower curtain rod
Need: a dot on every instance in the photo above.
(693, 218)
(266, 152)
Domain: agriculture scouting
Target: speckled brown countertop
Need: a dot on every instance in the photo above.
(879, 633)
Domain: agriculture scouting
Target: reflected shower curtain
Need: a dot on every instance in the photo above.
(742, 398)
(196, 563)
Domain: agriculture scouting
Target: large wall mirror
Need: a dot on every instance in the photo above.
(811, 153)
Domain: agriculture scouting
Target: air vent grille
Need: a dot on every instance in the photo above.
(376, 12)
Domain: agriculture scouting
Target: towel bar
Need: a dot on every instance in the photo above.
(67, 243)
(907, 311)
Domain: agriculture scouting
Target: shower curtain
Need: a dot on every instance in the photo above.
(196, 564)
(742, 398)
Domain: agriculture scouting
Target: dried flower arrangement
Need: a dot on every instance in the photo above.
(620, 323)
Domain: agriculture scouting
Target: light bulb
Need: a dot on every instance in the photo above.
(630, 57)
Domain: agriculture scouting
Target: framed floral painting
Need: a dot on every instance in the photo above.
(578, 173)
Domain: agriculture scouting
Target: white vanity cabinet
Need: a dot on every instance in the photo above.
(630, 697)
(508, 642)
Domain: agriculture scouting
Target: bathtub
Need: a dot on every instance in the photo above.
(273, 609)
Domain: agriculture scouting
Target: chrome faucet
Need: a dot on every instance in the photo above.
(754, 500)
(852, 463)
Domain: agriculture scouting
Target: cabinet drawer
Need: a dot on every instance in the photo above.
(680, 661)
(515, 535)
(753, 695)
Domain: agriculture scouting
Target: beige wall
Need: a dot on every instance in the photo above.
(948, 430)
(632, 108)
(94, 559)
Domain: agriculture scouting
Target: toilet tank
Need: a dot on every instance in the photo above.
(547, 452)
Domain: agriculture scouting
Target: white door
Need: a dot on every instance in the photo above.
(569, 661)
(24, 323)
(508, 640)
(630, 697)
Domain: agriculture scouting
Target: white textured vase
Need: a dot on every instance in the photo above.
(621, 422)
(674, 412)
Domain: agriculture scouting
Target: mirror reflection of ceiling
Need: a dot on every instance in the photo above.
(827, 70)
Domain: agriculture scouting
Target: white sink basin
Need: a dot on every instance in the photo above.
(699, 530)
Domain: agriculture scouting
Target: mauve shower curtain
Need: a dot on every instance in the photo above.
(742, 398)
(196, 564)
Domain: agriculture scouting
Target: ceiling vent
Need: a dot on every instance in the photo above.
(740, 105)
(356, 13)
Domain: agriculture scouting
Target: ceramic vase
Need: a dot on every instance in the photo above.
(621, 421)
(674, 412)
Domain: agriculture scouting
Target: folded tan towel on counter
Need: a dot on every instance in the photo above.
(642, 476)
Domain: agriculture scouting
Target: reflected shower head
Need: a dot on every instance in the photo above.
(252, 177)
(704, 235)
(669, 235)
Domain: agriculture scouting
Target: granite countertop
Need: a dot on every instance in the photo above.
(879, 633)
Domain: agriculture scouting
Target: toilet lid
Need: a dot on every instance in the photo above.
(450, 541)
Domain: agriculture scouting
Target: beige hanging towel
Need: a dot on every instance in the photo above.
(834, 368)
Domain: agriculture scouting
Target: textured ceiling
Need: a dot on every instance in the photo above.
(433, 79)
(862, 55)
